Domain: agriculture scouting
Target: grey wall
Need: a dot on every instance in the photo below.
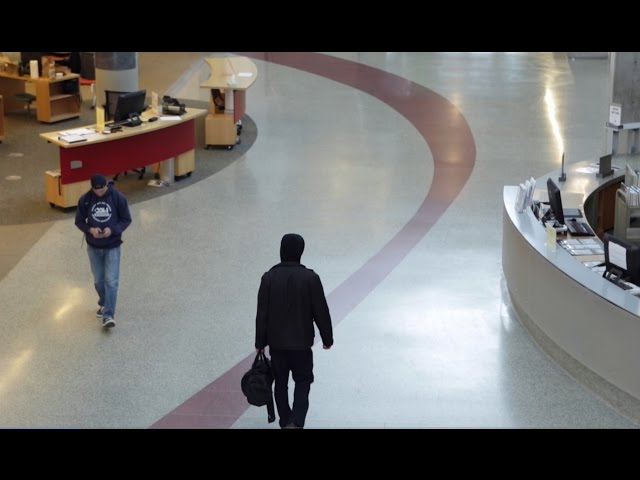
(626, 84)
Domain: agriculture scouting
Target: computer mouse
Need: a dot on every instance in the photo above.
(153, 119)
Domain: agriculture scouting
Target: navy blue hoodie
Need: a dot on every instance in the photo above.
(111, 210)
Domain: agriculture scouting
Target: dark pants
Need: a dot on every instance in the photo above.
(300, 363)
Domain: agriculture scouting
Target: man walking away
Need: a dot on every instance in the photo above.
(290, 300)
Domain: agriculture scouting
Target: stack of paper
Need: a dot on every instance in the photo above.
(72, 138)
(631, 194)
(630, 176)
(524, 197)
(77, 131)
(582, 246)
(75, 135)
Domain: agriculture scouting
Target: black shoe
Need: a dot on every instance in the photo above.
(291, 425)
(108, 322)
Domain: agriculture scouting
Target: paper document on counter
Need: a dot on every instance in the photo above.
(78, 131)
(72, 138)
(171, 117)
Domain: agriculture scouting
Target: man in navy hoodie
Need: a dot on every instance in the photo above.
(290, 300)
(103, 214)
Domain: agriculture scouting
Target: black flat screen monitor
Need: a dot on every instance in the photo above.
(605, 166)
(555, 201)
(622, 259)
(131, 103)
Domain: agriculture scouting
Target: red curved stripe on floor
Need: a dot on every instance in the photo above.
(449, 137)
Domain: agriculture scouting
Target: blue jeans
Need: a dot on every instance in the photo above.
(105, 266)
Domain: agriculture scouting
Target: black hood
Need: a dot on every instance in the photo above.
(291, 247)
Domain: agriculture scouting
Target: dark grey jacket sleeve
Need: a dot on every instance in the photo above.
(321, 315)
(262, 313)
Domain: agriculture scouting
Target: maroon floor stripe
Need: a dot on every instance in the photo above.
(449, 137)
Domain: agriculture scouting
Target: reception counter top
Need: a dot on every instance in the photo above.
(570, 310)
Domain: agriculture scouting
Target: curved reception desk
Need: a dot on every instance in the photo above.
(586, 323)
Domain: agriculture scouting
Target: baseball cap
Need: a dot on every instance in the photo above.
(98, 181)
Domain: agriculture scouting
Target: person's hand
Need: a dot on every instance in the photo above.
(325, 347)
(96, 232)
(106, 232)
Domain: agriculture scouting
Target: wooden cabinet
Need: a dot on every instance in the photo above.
(58, 98)
(229, 80)
(185, 163)
(63, 195)
(220, 129)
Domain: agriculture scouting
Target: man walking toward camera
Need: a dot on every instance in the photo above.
(290, 300)
(103, 214)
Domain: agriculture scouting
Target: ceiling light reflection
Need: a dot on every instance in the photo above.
(553, 120)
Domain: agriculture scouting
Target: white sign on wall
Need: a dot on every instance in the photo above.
(615, 114)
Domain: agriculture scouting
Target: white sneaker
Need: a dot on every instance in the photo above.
(100, 312)
(108, 322)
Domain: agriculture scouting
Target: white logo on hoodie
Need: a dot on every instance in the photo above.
(101, 212)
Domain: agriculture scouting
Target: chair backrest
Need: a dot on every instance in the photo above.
(111, 101)
(88, 65)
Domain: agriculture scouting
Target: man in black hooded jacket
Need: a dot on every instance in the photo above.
(290, 300)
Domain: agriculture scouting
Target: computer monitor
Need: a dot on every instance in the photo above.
(605, 169)
(621, 259)
(555, 201)
(129, 104)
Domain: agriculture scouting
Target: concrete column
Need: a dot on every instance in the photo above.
(624, 77)
(115, 71)
(626, 84)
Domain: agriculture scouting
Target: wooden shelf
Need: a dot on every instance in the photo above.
(61, 96)
(58, 98)
(62, 116)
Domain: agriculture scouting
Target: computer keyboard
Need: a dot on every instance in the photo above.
(122, 123)
(616, 281)
(579, 229)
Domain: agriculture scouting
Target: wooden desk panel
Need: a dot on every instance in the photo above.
(10, 85)
(127, 152)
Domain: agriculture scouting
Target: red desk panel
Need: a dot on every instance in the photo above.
(126, 153)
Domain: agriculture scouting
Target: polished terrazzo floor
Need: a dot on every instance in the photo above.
(391, 165)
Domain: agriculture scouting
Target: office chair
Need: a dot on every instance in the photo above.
(27, 98)
(111, 101)
(88, 73)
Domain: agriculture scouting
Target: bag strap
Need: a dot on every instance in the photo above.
(259, 357)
